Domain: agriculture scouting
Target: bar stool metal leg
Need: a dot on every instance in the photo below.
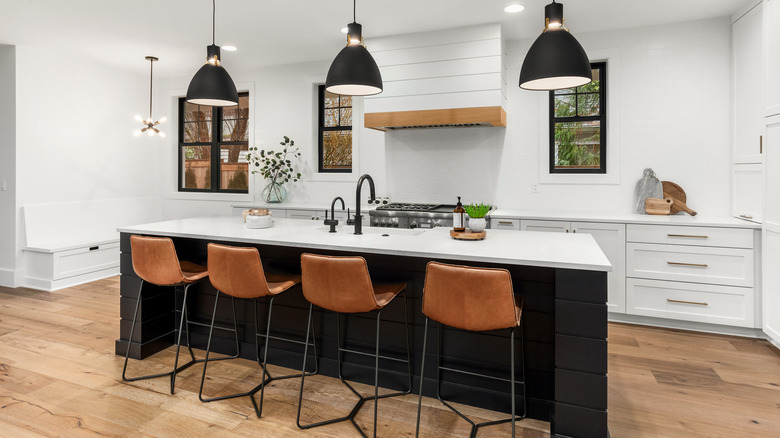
(361, 399)
(474, 426)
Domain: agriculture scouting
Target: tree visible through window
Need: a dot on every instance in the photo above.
(213, 144)
(578, 120)
(335, 132)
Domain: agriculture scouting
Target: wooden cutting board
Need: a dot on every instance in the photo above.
(658, 206)
(674, 191)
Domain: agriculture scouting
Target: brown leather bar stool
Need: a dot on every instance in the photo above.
(474, 299)
(343, 285)
(156, 262)
(238, 272)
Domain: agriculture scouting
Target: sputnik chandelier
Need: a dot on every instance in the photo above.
(149, 125)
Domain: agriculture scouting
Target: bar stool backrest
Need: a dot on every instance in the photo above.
(155, 260)
(237, 271)
(469, 298)
(341, 284)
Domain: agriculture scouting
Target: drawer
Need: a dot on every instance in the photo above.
(691, 302)
(84, 260)
(726, 266)
(697, 236)
(504, 224)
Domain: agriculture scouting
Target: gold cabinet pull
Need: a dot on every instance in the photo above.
(697, 265)
(505, 222)
(744, 216)
(760, 144)
(669, 300)
(692, 236)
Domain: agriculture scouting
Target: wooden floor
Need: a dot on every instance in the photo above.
(59, 377)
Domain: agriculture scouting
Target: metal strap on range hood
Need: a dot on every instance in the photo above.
(442, 118)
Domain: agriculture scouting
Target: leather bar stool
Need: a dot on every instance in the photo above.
(343, 285)
(238, 272)
(156, 262)
(473, 299)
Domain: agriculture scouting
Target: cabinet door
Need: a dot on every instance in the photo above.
(612, 240)
(310, 215)
(747, 191)
(771, 233)
(772, 55)
(749, 90)
(548, 226)
(504, 224)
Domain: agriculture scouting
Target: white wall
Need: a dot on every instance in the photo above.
(8, 223)
(675, 111)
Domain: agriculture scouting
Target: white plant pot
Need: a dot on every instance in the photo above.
(477, 225)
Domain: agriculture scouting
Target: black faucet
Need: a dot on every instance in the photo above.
(332, 222)
(358, 218)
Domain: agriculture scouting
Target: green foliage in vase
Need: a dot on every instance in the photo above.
(477, 210)
(275, 166)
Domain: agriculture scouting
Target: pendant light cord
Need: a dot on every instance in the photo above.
(213, 20)
(151, 76)
(354, 6)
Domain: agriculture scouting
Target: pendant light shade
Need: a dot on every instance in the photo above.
(354, 71)
(556, 59)
(212, 85)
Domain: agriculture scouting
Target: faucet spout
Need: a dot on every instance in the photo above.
(333, 206)
(358, 218)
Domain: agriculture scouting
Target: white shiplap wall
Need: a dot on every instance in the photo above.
(453, 68)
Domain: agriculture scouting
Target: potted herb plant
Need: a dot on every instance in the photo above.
(276, 167)
(477, 213)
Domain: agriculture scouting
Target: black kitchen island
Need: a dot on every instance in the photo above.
(562, 280)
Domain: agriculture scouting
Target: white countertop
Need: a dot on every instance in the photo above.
(531, 248)
(318, 206)
(627, 218)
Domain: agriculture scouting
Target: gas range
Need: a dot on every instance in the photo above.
(409, 215)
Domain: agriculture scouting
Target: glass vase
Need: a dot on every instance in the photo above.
(274, 193)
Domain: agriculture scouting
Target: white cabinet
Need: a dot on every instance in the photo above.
(702, 274)
(771, 234)
(747, 189)
(771, 29)
(504, 224)
(611, 239)
(748, 89)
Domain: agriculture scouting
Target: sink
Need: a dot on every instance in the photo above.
(381, 231)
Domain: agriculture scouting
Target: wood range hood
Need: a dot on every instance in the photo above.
(437, 118)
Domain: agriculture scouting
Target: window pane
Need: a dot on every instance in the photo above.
(337, 150)
(331, 117)
(594, 85)
(235, 130)
(346, 101)
(230, 112)
(331, 100)
(195, 113)
(243, 101)
(204, 132)
(346, 117)
(197, 167)
(190, 132)
(577, 145)
(566, 91)
(588, 104)
(564, 106)
(234, 167)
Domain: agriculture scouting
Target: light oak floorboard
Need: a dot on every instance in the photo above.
(59, 376)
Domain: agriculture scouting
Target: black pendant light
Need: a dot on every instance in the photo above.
(212, 84)
(556, 60)
(354, 71)
(150, 127)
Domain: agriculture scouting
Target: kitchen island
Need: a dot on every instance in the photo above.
(562, 279)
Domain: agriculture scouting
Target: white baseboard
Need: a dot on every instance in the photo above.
(688, 325)
(8, 278)
(53, 285)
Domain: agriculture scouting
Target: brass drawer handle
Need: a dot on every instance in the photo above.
(686, 302)
(744, 216)
(688, 235)
(505, 222)
(697, 265)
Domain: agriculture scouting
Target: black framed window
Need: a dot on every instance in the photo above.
(335, 132)
(213, 144)
(578, 126)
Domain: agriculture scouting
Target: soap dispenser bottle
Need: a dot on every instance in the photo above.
(459, 218)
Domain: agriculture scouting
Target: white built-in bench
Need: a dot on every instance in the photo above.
(71, 243)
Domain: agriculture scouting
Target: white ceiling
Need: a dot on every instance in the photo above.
(269, 32)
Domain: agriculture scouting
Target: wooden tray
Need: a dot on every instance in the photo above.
(468, 235)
